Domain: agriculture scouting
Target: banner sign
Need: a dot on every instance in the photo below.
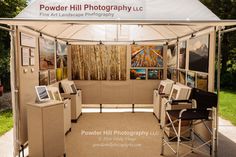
(85, 9)
(117, 10)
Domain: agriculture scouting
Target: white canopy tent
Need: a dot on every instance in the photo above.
(112, 21)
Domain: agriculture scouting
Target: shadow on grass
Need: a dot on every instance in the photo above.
(228, 90)
(226, 147)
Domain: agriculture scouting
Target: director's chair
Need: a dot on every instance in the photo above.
(203, 103)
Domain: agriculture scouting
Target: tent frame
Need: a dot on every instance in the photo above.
(14, 85)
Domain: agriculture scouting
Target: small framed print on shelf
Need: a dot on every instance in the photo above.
(25, 56)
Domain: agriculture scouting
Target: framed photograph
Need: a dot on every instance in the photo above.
(174, 75)
(169, 73)
(32, 52)
(32, 61)
(202, 81)
(172, 56)
(146, 56)
(52, 76)
(155, 74)
(46, 54)
(191, 79)
(42, 93)
(43, 77)
(84, 62)
(199, 53)
(138, 74)
(25, 56)
(182, 54)
(27, 40)
(61, 55)
(182, 77)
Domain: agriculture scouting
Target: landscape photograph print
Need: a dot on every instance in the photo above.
(199, 53)
(182, 54)
(98, 62)
(146, 56)
(202, 81)
(155, 74)
(172, 56)
(182, 77)
(46, 54)
(138, 74)
(191, 79)
(61, 59)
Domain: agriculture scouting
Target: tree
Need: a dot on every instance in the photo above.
(8, 9)
(226, 9)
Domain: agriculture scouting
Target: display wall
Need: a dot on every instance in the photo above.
(144, 68)
(192, 66)
(36, 65)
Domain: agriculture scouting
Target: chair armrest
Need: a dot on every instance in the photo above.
(176, 102)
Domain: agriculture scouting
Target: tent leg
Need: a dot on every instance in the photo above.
(14, 91)
(215, 147)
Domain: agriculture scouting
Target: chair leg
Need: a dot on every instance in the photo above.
(178, 138)
(162, 142)
(192, 136)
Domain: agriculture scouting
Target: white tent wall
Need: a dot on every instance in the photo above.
(27, 77)
(119, 92)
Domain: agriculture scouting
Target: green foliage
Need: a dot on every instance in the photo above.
(228, 105)
(6, 121)
(8, 9)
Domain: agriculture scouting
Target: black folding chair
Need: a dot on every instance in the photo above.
(205, 102)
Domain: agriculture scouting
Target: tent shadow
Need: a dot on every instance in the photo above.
(226, 146)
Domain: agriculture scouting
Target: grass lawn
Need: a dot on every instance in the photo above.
(227, 108)
(6, 121)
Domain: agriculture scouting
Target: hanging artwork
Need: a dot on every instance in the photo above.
(146, 56)
(182, 54)
(43, 78)
(25, 56)
(199, 53)
(138, 74)
(202, 81)
(172, 56)
(174, 75)
(27, 40)
(169, 72)
(61, 60)
(46, 54)
(98, 62)
(191, 79)
(182, 77)
(155, 74)
(52, 76)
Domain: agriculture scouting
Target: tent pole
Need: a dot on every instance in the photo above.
(218, 87)
(14, 91)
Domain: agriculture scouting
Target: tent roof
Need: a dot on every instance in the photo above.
(109, 20)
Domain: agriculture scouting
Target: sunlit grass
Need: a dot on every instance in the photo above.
(6, 121)
(228, 105)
